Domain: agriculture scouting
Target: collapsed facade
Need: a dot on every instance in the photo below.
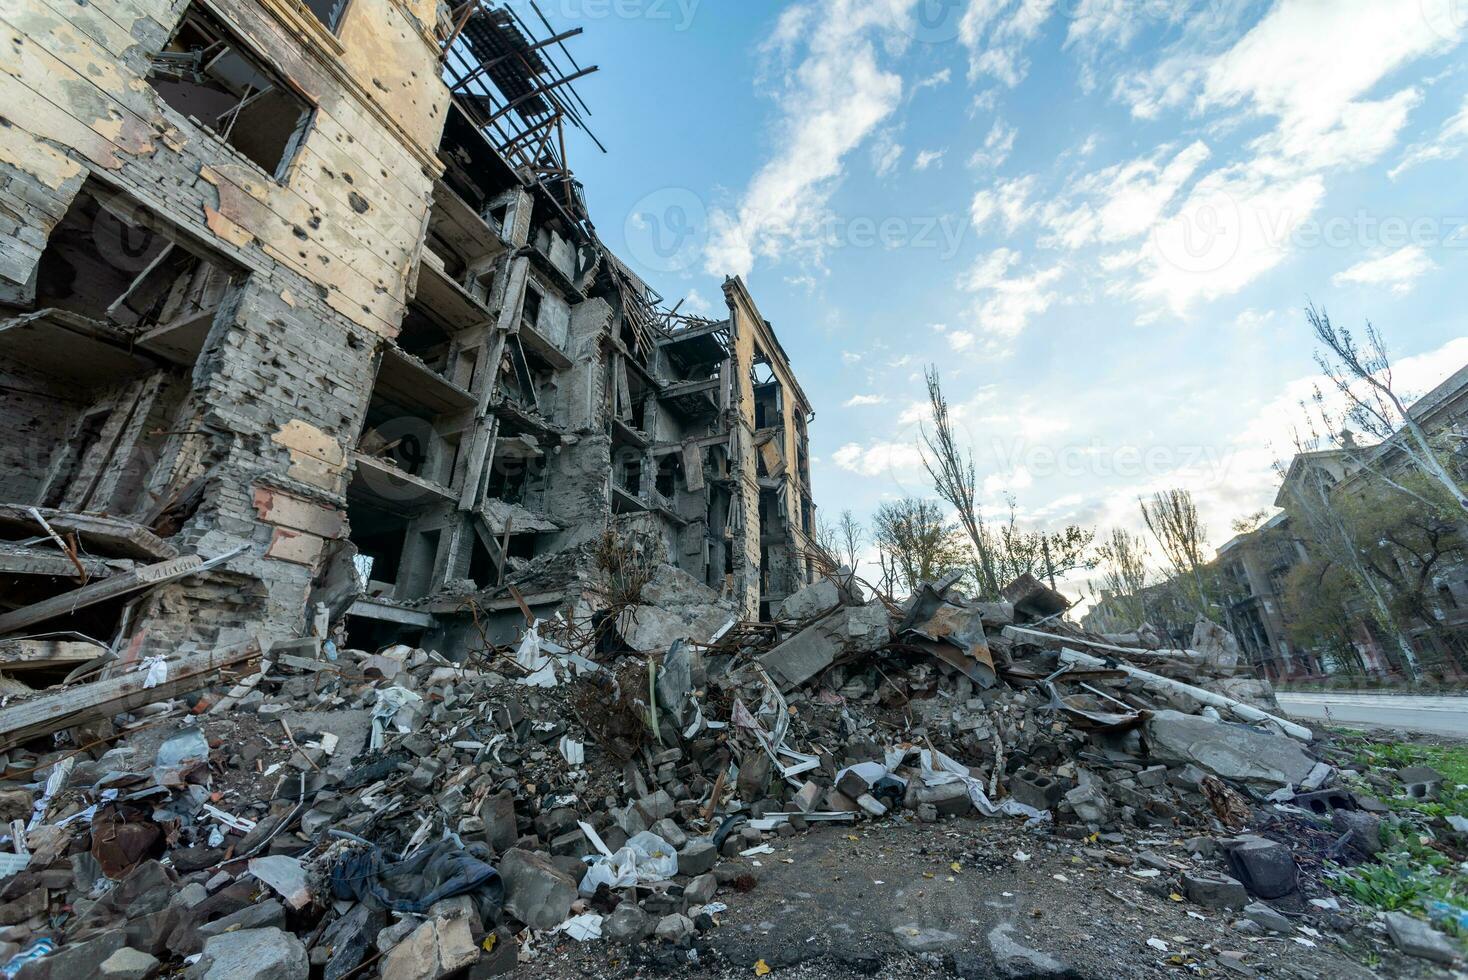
(309, 292)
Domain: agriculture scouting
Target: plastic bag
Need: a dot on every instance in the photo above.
(947, 770)
(157, 668)
(179, 754)
(646, 857)
(396, 706)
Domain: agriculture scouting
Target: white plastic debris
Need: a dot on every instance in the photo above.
(157, 668)
(396, 706)
(645, 858)
(582, 928)
(572, 751)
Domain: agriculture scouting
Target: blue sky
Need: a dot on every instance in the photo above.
(1100, 218)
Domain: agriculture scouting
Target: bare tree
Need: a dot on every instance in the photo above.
(952, 470)
(850, 536)
(828, 537)
(1172, 517)
(912, 534)
(1363, 375)
(1122, 559)
(1016, 551)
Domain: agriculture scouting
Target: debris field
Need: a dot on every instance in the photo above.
(401, 814)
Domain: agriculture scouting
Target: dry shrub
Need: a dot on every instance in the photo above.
(613, 709)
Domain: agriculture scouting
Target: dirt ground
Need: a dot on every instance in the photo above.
(827, 902)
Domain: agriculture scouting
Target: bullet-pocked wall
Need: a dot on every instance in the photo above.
(209, 216)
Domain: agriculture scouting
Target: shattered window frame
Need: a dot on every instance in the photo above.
(176, 67)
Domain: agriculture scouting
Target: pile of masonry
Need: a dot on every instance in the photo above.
(397, 814)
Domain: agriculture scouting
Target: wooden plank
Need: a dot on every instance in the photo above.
(52, 713)
(31, 654)
(95, 592)
(98, 534)
(25, 561)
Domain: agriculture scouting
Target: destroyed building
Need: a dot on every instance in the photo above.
(308, 292)
(1252, 569)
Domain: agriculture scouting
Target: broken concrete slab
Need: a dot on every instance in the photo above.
(853, 629)
(439, 947)
(536, 892)
(816, 599)
(253, 954)
(1226, 750)
(1417, 938)
(674, 606)
(1016, 959)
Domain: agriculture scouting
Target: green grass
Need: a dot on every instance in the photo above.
(1408, 874)
(1450, 760)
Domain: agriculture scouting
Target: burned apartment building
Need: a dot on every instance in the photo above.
(304, 321)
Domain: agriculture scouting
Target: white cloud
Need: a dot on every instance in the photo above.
(1399, 270)
(1236, 222)
(1233, 226)
(850, 357)
(1120, 202)
(996, 32)
(961, 339)
(857, 400)
(1009, 200)
(831, 93)
(1449, 144)
(928, 158)
(938, 78)
(916, 413)
(695, 303)
(1006, 304)
(1253, 320)
(1312, 87)
(997, 146)
(997, 484)
(878, 458)
(886, 153)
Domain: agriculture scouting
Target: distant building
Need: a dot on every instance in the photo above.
(1250, 570)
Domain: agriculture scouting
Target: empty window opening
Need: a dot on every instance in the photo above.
(466, 368)
(767, 406)
(516, 468)
(329, 12)
(425, 339)
(530, 311)
(670, 468)
(378, 536)
(483, 569)
(397, 436)
(632, 476)
(95, 366)
(206, 74)
(91, 258)
(482, 287)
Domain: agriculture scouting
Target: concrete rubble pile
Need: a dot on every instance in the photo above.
(400, 814)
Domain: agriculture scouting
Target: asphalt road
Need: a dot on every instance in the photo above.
(1432, 715)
